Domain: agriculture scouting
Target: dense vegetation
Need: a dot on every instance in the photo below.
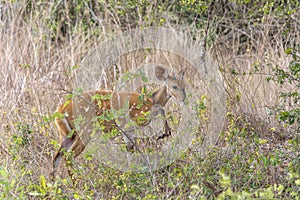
(255, 45)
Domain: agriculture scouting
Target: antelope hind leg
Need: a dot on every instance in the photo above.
(64, 147)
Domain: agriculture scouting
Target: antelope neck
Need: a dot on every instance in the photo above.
(160, 96)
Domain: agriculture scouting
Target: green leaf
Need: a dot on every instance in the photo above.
(43, 182)
(97, 97)
(144, 79)
(225, 180)
(67, 103)
(3, 173)
(57, 115)
(78, 91)
(12, 183)
(69, 97)
(288, 51)
(36, 194)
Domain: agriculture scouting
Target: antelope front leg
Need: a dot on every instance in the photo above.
(127, 132)
(159, 110)
(128, 136)
(167, 131)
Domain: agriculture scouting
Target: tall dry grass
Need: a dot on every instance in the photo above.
(247, 65)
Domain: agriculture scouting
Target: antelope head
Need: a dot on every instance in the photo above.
(174, 85)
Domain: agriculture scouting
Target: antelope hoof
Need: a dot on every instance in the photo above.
(130, 148)
(167, 134)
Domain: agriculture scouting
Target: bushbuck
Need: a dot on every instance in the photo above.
(99, 103)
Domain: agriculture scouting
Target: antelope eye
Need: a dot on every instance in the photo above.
(175, 87)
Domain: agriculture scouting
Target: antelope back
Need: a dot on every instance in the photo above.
(175, 83)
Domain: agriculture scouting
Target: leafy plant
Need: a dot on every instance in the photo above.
(288, 111)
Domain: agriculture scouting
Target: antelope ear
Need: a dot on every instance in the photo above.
(161, 73)
(182, 72)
